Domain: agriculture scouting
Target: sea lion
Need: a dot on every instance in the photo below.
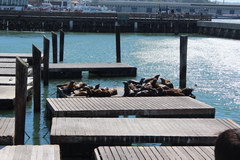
(113, 91)
(150, 79)
(97, 86)
(80, 93)
(167, 83)
(69, 88)
(187, 91)
(173, 92)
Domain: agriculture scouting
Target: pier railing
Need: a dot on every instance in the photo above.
(127, 16)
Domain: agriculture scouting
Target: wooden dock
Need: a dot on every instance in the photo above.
(12, 80)
(11, 57)
(30, 152)
(74, 70)
(168, 107)
(94, 132)
(11, 72)
(7, 96)
(7, 131)
(155, 153)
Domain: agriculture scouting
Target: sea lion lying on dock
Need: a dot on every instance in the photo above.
(82, 89)
(151, 87)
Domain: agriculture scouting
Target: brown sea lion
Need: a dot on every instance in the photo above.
(97, 86)
(167, 83)
(150, 79)
(69, 88)
(187, 91)
(173, 92)
(113, 91)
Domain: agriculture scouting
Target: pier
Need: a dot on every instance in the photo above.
(74, 70)
(88, 133)
(217, 29)
(154, 153)
(30, 152)
(181, 107)
(6, 131)
(98, 22)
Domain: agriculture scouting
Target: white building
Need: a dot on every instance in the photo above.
(155, 7)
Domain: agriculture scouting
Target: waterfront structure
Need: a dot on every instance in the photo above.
(13, 4)
(156, 7)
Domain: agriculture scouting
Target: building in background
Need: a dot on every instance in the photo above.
(13, 4)
(154, 6)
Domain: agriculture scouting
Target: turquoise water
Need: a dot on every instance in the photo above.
(213, 67)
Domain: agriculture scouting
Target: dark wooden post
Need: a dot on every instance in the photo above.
(61, 53)
(45, 60)
(36, 78)
(20, 100)
(183, 61)
(54, 47)
(118, 44)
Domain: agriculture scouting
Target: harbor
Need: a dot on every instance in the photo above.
(211, 74)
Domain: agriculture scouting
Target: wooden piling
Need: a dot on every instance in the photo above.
(36, 78)
(45, 60)
(183, 61)
(118, 45)
(61, 44)
(54, 47)
(20, 100)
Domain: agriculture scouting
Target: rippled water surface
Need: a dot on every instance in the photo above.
(213, 67)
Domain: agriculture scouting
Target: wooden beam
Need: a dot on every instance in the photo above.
(45, 60)
(61, 52)
(183, 61)
(20, 100)
(54, 47)
(36, 78)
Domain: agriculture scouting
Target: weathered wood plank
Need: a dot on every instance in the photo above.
(7, 131)
(4, 80)
(160, 151)
(7, 96)
(30, 152)
(11, 72)
(120, 131)
(14, 55)
(139, 106)
(10, 60)
(7, 65)
(103, 69)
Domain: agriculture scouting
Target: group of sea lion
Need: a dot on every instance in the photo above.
(82, 89)
(151, 87)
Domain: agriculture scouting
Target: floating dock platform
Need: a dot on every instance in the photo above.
(168, 107)
(30, 152)
(155, 153)
(74, 70)
(78, 134)
(11, 57)
(11, 72)
(12, 80)
(7, 96)
(7, 126)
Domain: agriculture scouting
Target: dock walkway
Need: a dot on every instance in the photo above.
(11, 57)
(125, 131)
(30, 152)
(74, 70)
(155, 153)
(179, 107)
(7, 126)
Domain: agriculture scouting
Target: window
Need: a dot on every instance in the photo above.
(134, 9)
(232, 11)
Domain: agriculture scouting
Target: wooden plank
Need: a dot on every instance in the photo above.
(7, 96)
(6, 131)
(140, 106)
(5, 80)
(183, 154)
(30, 152)
(10, 60)
(14, 55)
(11, 72)
(115, 131)
(7, 65)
